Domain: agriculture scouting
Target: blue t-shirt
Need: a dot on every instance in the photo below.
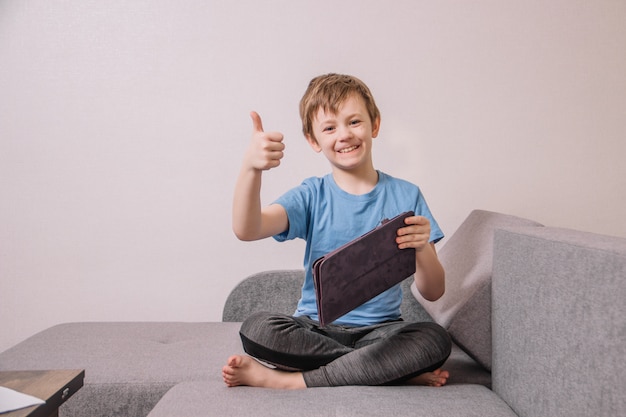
(327, 217)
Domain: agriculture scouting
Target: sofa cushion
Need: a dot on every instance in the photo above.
(192, 399)
(465, 308)
(128, 366)
(559, 322)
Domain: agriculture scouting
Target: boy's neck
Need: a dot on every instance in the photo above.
(356, 182)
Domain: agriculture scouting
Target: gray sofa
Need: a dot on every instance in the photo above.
(536, 314)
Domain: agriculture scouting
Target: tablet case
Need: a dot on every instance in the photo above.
(361, 269)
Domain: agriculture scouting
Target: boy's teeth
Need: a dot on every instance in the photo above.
(351, 148)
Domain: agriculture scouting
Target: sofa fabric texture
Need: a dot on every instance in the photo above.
(467, 257)
(559, 314)
(251, 295)
(128, 366)
(467, 400)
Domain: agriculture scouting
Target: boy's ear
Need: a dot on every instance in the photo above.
(375, 127)
(313, 142)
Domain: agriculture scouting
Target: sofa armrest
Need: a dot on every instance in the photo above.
(559, 322)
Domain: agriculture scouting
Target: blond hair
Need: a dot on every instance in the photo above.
(328, 92)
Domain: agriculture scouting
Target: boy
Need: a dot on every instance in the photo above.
(371, 345)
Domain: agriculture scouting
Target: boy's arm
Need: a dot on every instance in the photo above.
(429, 273)
(250, 220)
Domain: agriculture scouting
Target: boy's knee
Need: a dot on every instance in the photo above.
(442, 339)
(263, 336)
(261, 325)
(254, 323)
(438, 337)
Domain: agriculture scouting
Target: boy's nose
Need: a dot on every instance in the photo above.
(344, 133)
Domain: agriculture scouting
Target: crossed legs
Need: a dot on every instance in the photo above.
(306, 355)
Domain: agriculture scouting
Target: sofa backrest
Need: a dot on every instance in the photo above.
(279, 290)
(559, 322)
(276, 291)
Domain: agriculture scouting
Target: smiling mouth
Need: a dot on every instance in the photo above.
(350, 149)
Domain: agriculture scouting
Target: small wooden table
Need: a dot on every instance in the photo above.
(54, 387)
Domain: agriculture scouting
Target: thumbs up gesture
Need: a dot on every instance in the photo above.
(266, 148)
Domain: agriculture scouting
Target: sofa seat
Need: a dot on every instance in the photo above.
(190, 399)
(131, 365)
(128, 366)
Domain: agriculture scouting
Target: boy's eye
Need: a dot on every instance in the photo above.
(355, 122)
(329, 128)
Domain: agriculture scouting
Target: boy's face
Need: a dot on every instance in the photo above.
(345, 138)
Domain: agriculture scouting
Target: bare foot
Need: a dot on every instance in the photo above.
(245, 370)
(436, 378)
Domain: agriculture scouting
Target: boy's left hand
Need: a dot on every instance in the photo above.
(415, 235)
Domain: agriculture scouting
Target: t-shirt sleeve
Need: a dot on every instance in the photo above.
(422, 209)
(296, 204)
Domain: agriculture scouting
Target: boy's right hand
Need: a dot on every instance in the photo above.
(266, 148)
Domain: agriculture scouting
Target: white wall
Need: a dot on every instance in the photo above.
(122, 124)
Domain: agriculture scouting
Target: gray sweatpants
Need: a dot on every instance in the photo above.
(335, 355)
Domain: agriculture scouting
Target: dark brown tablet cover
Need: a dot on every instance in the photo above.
(361, 269)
